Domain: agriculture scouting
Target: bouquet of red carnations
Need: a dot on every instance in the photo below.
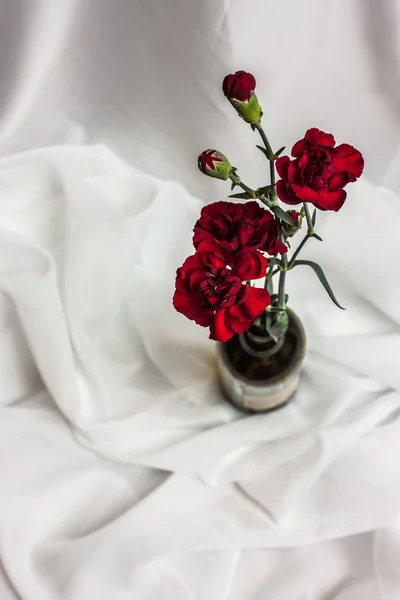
(238, 243)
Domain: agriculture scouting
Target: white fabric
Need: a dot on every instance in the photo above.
(89, 334)
(144, 76)
(124, 474)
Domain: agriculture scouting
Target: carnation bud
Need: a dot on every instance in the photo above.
(239, 89)
(214, 164)
(290, 230)
(249, 111)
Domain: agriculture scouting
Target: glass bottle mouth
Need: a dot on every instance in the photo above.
(258, 343)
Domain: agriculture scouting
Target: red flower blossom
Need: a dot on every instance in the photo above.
(239, 225)
(319, 171)
(214, 295)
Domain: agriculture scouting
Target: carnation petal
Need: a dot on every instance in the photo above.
(305, 193)
(338, 181)
(189, 305)
(286, 194)
(348, 159)
(219, 329)
(282, 166)
(331, 200)
(300, 147)
(319, 138)
(204, 320)
(255, 301)
(250, 264)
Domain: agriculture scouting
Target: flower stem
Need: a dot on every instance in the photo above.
(309, 222)
(281, 287)
(284, 262)
(247, 189)
(268, 283)
(298, 250)
(270, 158)
(266, 142)
(237, 181)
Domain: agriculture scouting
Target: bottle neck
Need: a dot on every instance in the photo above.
(259, 344)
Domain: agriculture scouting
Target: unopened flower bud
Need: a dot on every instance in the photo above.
(239, 89)
(290, 230)
(214, 164)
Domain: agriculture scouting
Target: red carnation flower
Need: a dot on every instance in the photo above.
(239, 86)
(319, 171)
(214, 295)
(239, 225)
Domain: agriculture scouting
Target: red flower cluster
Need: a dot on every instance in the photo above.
(211, 286)
(319, 171)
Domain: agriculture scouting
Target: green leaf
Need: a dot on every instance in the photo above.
(233, 185)
(314, 235)
(243, 195)
(263, 150)
(267, 202)
(321, 276)
(263, 190)
(314, 216)
(276, 154)
(281, 214)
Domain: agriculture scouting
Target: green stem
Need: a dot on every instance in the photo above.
(282, 276)
(247, 189)
(269, 286)
(267, 202)
(311, 230)
(237, 181)
(270, 158)
(281, 287)
(309, 221)
(298, 250)
(268, 283)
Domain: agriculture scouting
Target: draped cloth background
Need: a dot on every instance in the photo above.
(124, 474)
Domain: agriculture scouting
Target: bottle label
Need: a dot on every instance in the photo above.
(271, 399)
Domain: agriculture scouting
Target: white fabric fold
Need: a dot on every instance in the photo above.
(124, 475)
(89, 248)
